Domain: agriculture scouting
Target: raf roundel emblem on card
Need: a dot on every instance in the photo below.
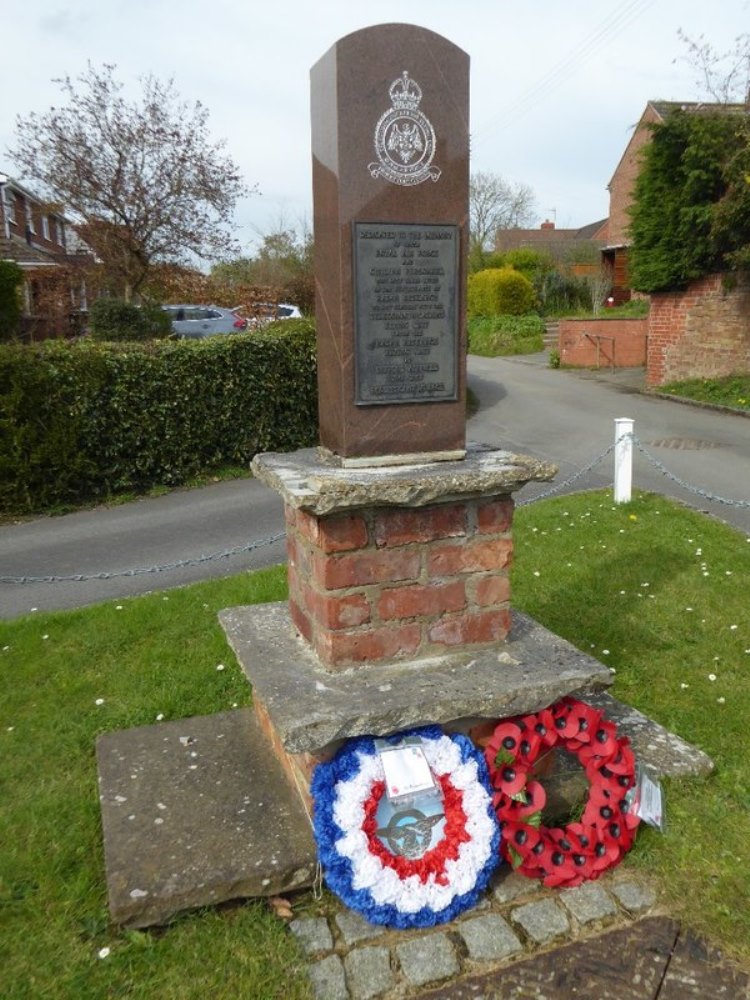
(404, 137)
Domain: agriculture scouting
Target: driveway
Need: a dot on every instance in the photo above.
(566, 417)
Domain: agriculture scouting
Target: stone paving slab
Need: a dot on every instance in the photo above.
(312, 708)
(608, 954)
(516, 918)
(192, 815)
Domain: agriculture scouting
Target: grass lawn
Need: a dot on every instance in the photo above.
(656, 591)
(733, 390)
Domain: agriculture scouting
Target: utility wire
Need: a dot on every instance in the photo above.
(590, 45)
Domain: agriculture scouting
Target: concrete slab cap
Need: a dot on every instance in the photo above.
(312, 708)
(305, 480)
(196, 812)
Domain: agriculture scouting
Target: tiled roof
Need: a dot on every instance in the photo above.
(666, 108)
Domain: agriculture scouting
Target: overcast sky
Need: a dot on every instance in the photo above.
(555, 86)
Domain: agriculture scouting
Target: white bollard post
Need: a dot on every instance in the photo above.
(623, 459)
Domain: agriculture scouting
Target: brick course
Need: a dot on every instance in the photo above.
(387, 584)
(623, 343)
(702, 332)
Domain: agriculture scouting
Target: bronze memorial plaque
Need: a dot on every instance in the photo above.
(406, 313)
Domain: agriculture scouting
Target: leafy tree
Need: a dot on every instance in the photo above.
(496, 204)
(691, 208)
(284, 262)
(142, 179)
(11, 278)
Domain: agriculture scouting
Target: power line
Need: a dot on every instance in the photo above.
(580, 54)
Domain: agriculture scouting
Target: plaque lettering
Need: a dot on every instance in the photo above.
(406, 313)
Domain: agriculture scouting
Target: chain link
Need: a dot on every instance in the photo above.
(681, 482)
(259, 543)
(141, 571)
(576, 475)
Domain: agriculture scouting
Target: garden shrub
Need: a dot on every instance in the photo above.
(501, 290)
(691, 208)
(561, 295)
(11, 277)
(533, 264)
(84, 420)
(114, 319)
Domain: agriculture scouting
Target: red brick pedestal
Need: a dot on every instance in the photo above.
(399, 592)
(384, 584)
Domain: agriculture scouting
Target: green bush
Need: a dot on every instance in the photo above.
(560, 295)
(114, 319)
(11, 277)
(533, 264)
(85, 420)
(498, 291)
(504, 335)
(691, 207)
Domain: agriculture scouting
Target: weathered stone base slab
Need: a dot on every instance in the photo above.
(197, 812)
(312, 708)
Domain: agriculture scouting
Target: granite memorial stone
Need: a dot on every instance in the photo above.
(390, 140)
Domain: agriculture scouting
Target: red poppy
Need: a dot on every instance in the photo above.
(503, 744)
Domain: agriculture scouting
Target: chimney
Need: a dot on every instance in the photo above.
(547, 225)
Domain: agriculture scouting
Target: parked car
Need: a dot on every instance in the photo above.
(269, 312)
(194, 322)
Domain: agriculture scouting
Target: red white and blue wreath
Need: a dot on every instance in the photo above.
(582, 850)
(413, 869)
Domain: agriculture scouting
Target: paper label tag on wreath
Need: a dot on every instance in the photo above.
(406, 864)
(405, 767)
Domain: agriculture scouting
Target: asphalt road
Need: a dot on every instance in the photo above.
(562, 416)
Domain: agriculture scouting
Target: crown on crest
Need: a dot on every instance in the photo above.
(405, 93)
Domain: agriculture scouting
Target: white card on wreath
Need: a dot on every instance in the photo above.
(405, 769)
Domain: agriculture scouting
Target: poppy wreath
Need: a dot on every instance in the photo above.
(385, 886)
(582, 850)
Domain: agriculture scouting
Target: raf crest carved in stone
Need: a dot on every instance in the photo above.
(404, 138)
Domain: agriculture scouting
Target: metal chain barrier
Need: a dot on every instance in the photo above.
(259, 543)
(680, 482)
(576, 475)
(180, 564)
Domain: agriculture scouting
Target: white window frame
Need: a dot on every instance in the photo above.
(45, 228)
(10, 206)
(29, 217)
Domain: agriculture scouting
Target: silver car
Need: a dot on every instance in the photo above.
(194, 322)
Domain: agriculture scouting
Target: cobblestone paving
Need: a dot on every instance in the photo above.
(351, 959)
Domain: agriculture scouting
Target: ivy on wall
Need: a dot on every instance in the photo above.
(691, 209)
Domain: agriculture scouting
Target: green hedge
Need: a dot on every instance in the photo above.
(85, 420)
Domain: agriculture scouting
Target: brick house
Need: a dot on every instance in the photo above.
(46, 247)
(576, 249)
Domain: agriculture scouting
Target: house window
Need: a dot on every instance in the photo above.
(60, 232)
(10, 206)
(45, 227)
(29, 218)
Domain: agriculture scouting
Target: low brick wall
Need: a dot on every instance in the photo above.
(703, 332)
(606, 343)
(385, 584)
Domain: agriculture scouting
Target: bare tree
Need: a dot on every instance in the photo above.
(496, 204)
(142, 179)
(724, 76)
